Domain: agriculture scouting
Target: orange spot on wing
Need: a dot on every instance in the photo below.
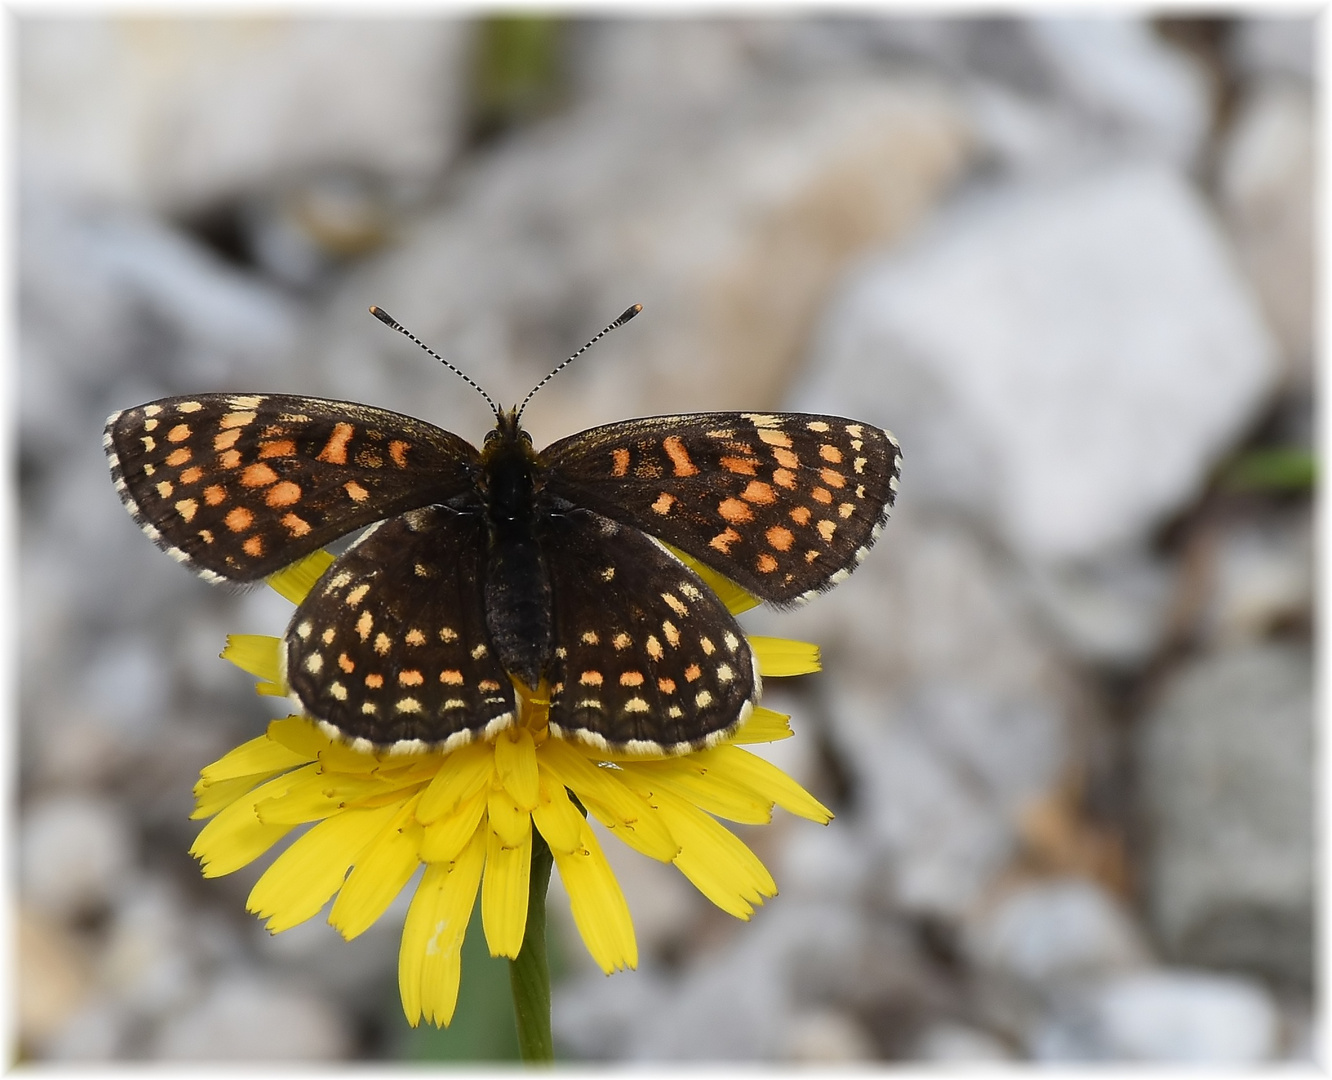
(822, 495)
(723, 540)
(619, 461)
(787, 459)
(631, 678)
(773, 437)
(278, 448)
(254, 547)
(179, 457)
(664, 503)
(679, 456)
(226, 440)
(666, 686)
(759, 492)
(766, 563)
(693, 672)
(283, 494)
(832, 478)
(237, 420)
(179, 433)
(398, 452)
(257, 475)
(229, 460)
(214, 494)
(411, 677)
(358, 493)
(830, 453)
(335, 450)
(734, 511)
(740, 466)
(451, 678)
(346, 663)
(784, 478)
(801, 515)
(374, 681)
(295, 525)
(191, 475)
(239, 519)
(590, 678)
(781, 538)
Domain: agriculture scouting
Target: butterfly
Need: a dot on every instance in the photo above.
(481, 566)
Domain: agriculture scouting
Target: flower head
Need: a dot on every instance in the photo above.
(468, 815)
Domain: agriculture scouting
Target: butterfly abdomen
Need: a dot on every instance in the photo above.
(517, 584)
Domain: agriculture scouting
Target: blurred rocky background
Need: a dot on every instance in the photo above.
(1066, 717)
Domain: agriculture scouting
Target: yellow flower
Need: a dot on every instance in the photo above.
(468, 815)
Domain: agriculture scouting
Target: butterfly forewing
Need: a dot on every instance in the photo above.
(783, 504)
(646, 657)
(391, 644)
(239, 486)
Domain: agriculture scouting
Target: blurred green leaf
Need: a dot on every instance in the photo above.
(1276, 469)
(516, 69)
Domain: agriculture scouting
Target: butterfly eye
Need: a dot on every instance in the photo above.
(525, 437)
(491, 436)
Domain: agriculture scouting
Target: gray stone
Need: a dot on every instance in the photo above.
(242, 1018)
(1045, 932)
(1165, 1016)
(75, 853)
(729, 221)
(1265, 186)
(1259, 577)
(1276, 45)
(1225, 759)
(177, 113)
(1039, 353)
(945, 708)
(148, 963)
(826, 1036)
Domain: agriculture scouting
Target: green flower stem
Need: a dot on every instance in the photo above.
(529, 972)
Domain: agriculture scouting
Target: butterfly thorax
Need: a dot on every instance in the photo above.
(517, 585)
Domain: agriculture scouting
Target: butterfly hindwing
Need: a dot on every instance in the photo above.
(645, 655)
(391, 643)
(784, 504)
(239, 486)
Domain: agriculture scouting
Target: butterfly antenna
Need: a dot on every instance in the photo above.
(388, 320)
(625, 316)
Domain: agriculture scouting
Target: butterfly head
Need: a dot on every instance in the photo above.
(506, 438)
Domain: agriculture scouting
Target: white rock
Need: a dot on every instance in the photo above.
(827, 1035)
(75, 853)
(1039, 353)
(99, 1032)
(245, 1019)
(176, 113)
(148, 962)
(1266, 188)
(1260, 574)
(958, 1043)
(1164, 1016)
(1125, 75)
(1226, 783)
(1045, 931)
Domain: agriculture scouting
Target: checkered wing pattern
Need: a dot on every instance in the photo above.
(784, 505)
(238, 486)
(391, 645)
(646, 657)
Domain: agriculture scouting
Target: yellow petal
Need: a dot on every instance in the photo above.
(721, 867)
(253, 758)
(764, 725)
(516, 765)
(504, 894)
(302, 878)
(599, 908)
(299, 734)
(446, 836)
(210, 798)
(763, 777)
(428, 959)
(556, 817)
(384, 866)
(630, 817)
(256, 654)
(511, 823)
(461, 775)
(236, 836)
(295, 581)
(779, 657)
(728, 592)
(319, 793)
(690, 778)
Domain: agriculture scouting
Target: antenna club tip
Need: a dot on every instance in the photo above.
(382, 315)
(629, 313)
